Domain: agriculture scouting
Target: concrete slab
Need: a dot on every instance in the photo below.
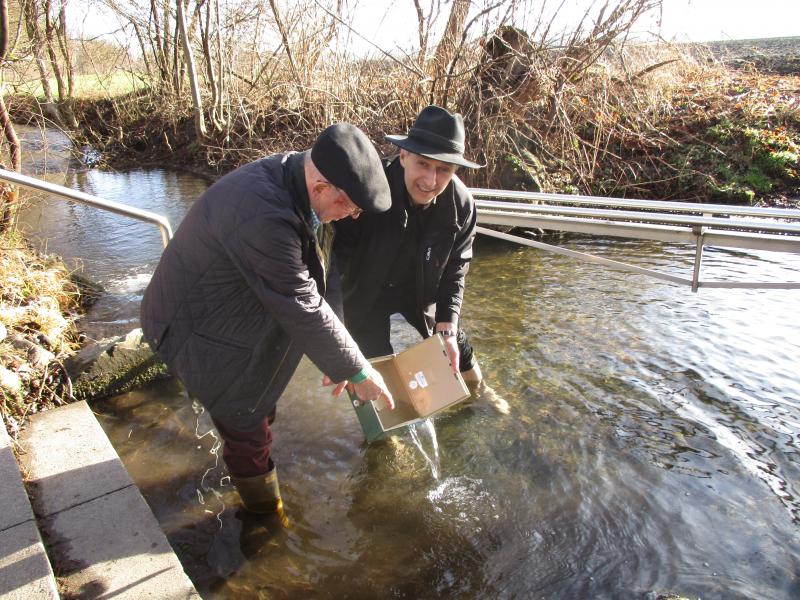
(112, 546)
(67, 448)
(102, 538)
(13, 497)
(25, 572)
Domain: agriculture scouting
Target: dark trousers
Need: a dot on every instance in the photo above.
(372, 333)
(246, 453)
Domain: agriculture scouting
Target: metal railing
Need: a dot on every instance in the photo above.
(109, 205)
(700, 225)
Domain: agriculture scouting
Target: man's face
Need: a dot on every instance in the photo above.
(425, 177)
(335, 203)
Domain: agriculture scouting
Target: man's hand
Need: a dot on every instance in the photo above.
(372, 388)
(338, 387)
(449, 332)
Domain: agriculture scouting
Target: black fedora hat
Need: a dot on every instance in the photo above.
(436, 134)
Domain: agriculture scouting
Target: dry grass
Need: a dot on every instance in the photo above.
(615, 128)
(582, 110)
(38, 305)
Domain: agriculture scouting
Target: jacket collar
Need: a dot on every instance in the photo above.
(297, 184)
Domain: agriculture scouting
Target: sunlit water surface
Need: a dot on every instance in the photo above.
(651, 443)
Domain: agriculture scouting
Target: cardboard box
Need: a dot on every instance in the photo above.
(422, 382)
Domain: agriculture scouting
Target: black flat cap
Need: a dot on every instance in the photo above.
(345, 157)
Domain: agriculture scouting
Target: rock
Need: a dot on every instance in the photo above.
(37, 355)
(90, 291)
(113, 366)
(523, 172)
(10, 381)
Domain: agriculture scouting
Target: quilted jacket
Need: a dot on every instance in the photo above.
(237, 297)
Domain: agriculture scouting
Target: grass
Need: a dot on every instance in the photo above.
(87, 87)
(38, 305)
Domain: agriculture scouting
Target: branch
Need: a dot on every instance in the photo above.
(414, 70)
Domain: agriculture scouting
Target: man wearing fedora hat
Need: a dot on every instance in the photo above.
(239, 295)
(413, 258)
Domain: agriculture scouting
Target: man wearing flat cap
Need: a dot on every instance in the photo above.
(238, 296)
(413, 258)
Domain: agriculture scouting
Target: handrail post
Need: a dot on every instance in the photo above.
(699, 232)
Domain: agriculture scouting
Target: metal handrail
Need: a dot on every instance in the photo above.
(700, 225)
(771, 229)
(109, 205)
(662, 205)
(724, 222)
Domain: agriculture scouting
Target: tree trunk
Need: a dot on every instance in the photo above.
(31, 17)
(214, 82)
(8, 193)
(158, 54)
(63, 43)
(221, 118)
(64, 90)
(148, 69)
(422, 30)
(199, 120)
(451, 37)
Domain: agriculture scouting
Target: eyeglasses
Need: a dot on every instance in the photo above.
(354, 211)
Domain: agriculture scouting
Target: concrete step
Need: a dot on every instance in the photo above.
(25, 571)
(102, 538)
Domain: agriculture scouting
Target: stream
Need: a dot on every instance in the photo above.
(651, 444)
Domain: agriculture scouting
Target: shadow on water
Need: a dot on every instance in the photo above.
(651, 442)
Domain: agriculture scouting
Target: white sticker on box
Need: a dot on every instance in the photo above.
(412, 384)
(420, 377)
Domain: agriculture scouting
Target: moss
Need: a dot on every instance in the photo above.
(103, 370)
(112, 383)
(732, 193)
(756, 179)
(521, 172)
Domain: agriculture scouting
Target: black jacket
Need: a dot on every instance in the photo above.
(366, 248)
(236, 299)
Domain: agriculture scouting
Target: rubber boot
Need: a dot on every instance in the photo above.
(483, 392)
(262, 495)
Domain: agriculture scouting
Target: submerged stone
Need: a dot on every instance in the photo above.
(114, 366)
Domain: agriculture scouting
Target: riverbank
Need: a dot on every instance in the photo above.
(39, 304)
(708, 124)
(684, 122)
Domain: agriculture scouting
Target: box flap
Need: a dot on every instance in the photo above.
(404, 412)
(428, 377)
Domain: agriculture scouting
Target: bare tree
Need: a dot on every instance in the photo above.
(451, 38)
(30, 14)
(197, 102)
(287, 48)
(56, 42)
(8, 193)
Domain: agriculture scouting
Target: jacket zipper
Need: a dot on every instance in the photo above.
(272, 379)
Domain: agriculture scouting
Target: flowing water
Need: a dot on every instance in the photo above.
(651, 443)
(428, 428)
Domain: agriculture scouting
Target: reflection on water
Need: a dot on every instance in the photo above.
(117, 252)
(651, 444)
